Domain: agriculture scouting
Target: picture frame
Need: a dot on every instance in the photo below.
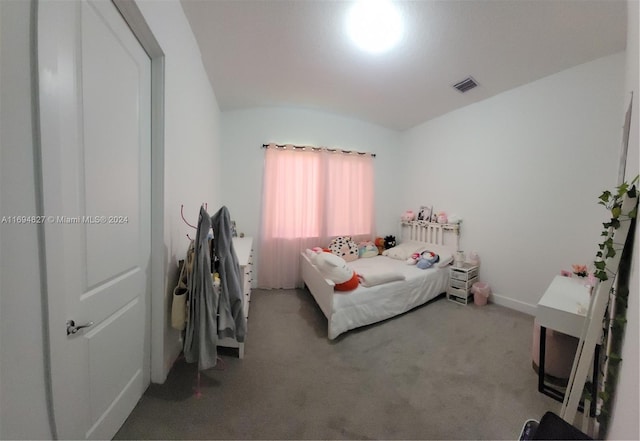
(424, 214)
(622, 165)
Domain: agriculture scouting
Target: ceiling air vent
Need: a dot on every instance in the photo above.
(465, 85)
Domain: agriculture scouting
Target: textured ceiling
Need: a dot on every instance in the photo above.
(295, 53)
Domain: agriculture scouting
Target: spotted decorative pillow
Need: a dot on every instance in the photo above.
(345, 247)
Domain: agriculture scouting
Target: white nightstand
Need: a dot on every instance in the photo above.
(461, 279)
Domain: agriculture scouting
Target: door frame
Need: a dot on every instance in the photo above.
(154, 365)
(154, 341)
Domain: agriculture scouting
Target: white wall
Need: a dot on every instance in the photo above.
(244, 132)
(524, 170)
(23, 412)
(624, 423)
(192, 147)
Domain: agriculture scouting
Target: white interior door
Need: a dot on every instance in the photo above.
(95, 125)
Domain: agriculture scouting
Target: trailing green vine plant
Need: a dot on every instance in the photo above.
(615, 318)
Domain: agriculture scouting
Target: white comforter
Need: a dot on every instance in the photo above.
(366, 305)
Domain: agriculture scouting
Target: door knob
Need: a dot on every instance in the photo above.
(73, 329)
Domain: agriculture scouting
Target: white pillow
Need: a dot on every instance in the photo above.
(405, 250)
(445, 260)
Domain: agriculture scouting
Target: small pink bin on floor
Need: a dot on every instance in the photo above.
(481, 293)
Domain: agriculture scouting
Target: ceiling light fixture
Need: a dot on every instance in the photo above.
(374, 25)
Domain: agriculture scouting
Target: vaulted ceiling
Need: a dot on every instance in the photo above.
(295, 53)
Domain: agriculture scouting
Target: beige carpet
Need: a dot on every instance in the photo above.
(441, 371)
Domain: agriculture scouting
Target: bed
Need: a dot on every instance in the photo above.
(366, 305)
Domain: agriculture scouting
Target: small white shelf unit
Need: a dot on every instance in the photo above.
(461, 279)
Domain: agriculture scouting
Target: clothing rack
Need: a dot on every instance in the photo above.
(315, 149)
(213, 313)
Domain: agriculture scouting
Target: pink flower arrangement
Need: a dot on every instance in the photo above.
(579, 270)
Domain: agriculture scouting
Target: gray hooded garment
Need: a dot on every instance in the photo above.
(212, 316)
(231, 320)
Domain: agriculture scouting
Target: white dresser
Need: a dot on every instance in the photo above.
(244, 251)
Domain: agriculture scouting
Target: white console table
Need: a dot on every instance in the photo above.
(564, 305)
(563, 308)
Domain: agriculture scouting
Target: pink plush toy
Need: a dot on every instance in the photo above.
(408, 216)
(413, 259)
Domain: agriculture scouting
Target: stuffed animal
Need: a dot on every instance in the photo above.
(442, 217)
(427, 259)
(380, 244)
(367, 249)
(408, 216)
(344, 247)
(334, 268)
(413, 259)
(389, 242)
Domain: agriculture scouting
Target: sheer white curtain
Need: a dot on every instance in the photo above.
(310, 196)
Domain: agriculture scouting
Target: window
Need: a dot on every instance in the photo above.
(310, 196)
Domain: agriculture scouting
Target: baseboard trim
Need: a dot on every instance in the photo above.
(513, 304)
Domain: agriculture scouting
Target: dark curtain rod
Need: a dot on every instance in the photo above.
(284, 146)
